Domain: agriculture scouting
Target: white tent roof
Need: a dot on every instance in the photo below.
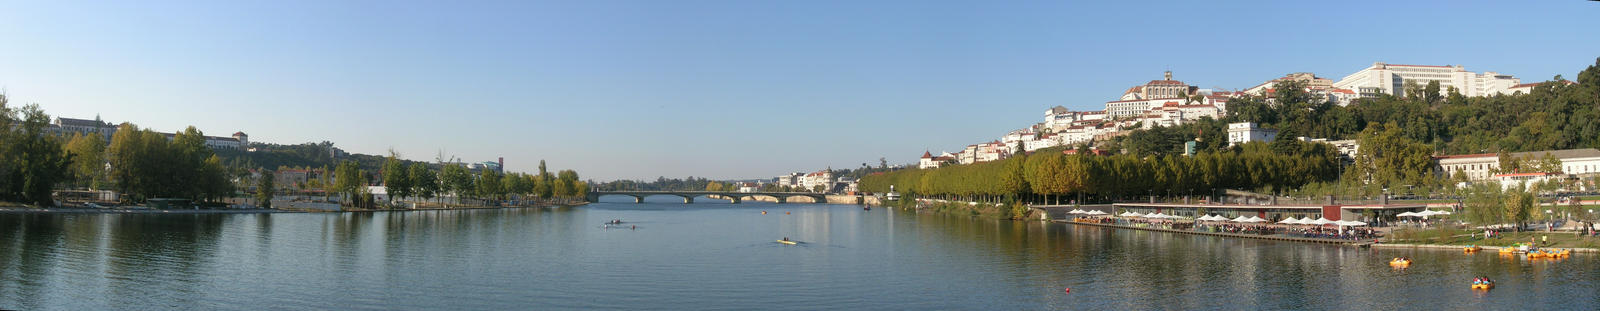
(1240, 219)
(1441, 212)
(1094, 213)
(1257, 219)
(1409, 214)
(1212, 218)
(1321, 221)
(1290, 220)
(1075, 211)
(1132, 214)
(1350, 223)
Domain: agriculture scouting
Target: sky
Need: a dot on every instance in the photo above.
(717, 89)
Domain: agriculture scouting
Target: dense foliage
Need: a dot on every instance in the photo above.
(1045, 176)
(31, 161)
(145, 164)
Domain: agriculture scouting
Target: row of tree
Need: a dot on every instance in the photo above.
(1049, 174)
(145, 164)
(31, 160)
(419, 181)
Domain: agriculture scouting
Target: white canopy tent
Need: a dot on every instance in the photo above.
(1095, 213)
(1409, 214)
(1240, 219)
(1256, 219)
(1290, 220)
(1350, 223)
(1320, 221)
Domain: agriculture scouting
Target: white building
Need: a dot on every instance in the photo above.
(1239, 133)
(1392, 78)
(928, 160)
(1527, 88)
(1520, 180)
(790, 180)
(1044, 141)
(67, 127)
(1136, 100)
(822, 178)
(1482, 166)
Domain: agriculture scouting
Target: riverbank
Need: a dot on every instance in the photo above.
(1223, 234)
(68, 210)
(986, 210)
(120, 210)
(1461, 238)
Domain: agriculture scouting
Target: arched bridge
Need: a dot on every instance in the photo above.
(688, 196)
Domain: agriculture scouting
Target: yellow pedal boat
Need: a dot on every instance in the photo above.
(788, 242)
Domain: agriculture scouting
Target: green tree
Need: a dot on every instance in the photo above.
(546, 187)
(31, 161)
(396, 178)
(423, 181)
(349, 180)
(489, 185)
(88, 165)
(265, 189)
(1519, 207)
(456, 180)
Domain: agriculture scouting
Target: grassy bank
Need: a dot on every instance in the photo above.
(1451, 236)
(986, 210)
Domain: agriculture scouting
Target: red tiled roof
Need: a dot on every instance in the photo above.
(926, 155)
(1459, 156)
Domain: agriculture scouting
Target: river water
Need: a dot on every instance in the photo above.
(711, 256)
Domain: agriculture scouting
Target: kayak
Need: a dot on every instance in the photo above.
(788, 242)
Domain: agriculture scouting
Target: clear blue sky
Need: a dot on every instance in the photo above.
(723, 89)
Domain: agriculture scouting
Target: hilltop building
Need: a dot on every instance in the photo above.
(67, 127)
(1382, 78)
(928, 160)
(1245, 132)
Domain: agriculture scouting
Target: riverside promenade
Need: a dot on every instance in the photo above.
(1227, 235)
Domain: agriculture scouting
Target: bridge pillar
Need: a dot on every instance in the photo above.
(782, 199)
(638, 199)
(688, 200)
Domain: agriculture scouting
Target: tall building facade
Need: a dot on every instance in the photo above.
(1391, 79)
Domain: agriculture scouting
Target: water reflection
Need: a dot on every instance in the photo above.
(721, 256)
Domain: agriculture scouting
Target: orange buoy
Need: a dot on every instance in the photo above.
(1068, 290)
(785, 213)
(763, 212)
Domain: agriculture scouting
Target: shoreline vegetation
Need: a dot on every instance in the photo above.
(93, 165)
(21, 209)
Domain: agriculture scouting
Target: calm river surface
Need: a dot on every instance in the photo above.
(717, 256)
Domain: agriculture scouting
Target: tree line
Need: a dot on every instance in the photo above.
(420, 181)
(31, 160)
(1049, 176)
